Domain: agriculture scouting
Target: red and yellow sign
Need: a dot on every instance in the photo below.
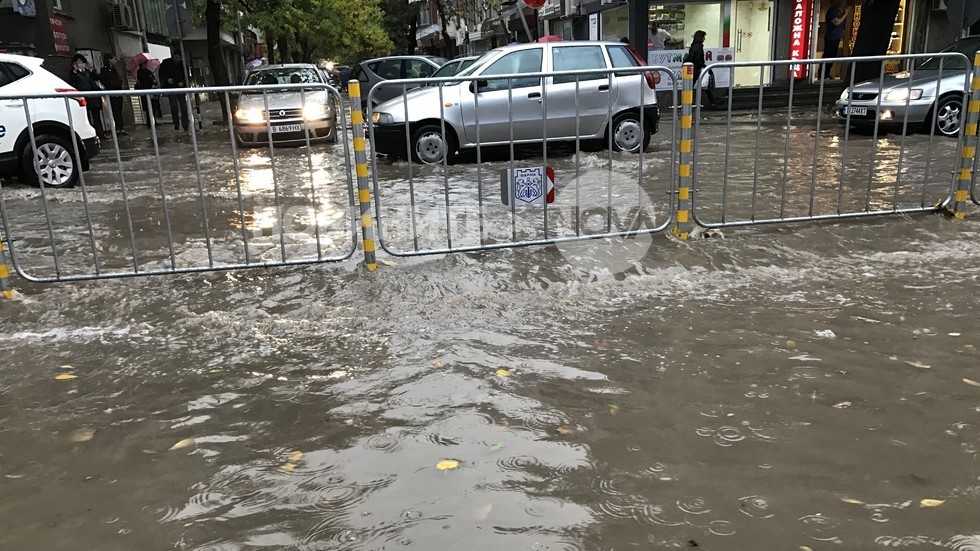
(799, 41)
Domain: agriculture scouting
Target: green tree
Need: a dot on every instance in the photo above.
(401, 22)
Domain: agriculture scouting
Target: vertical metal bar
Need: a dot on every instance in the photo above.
(411, 176)
(578, 159)
(758, 145)
(163, 187)
(238, 180)
(363, 186)
(544, 140)
(510, 166)
(445, 168)
(932, 135)
(639, 180)
(81, 181)
(275, 181)
(479, 158)
(42, 187)
(728, 145)
(609, 180)
(789, 123)
(6, 291)
(125, 194)
(683, 227)
(200, 180)
(847, 135)
(965, 178)
(874, 138)
(816, 142)
(901, 147)
(309, 165)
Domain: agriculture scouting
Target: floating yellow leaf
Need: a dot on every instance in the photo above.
(182, 444)
(296, 456)
(82, 435)
(66, 377)
(437, 363)
(447, 464)
(503, 373)
(919, 365)
(971, 382)
(931, 502)
(287, 467)
(614, 410)
(852, 501)
(566, 429)
(805, 548)
(214, 371)
(790, 344)
(65, 367)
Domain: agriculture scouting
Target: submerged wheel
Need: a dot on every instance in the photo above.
(629, 134)
(949, 116)
(56, 166)
(430, 147)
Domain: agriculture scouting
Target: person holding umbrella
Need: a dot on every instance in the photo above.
(143, 65)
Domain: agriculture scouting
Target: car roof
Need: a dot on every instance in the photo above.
(426, 57)
(23, 59)
(286, 66)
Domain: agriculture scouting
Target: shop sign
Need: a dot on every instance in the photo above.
(59, 32)
(799, 41)
(674, 59)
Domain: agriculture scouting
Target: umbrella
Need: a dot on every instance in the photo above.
(152, 63)
(549, 38)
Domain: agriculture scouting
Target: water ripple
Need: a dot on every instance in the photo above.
(819, 527)
(693, 505)
(721, 528)
(518, 463)
(755, 506)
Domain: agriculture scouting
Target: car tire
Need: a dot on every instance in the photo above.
(429, 146)
(56, 156)
(948, 116)
(628, 134)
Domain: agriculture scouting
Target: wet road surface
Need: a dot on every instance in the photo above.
(787, 386)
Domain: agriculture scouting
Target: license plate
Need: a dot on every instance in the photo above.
(852, 110)
(287, 128)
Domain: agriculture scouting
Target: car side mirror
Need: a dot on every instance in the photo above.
(479, 86)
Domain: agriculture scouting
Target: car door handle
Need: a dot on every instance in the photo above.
(534, 95)
(603, 87)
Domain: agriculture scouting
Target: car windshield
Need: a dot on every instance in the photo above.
(452, 68)
(967, 47)
(477, 63)
(284, 75)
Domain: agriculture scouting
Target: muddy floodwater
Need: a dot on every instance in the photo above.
(786, 386)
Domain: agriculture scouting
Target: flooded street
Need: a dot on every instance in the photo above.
(788, 386)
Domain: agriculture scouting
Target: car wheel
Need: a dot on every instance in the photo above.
(430, 147)
(628, 134)
(55, 159)
(949, 115)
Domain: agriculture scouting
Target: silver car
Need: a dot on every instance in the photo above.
(291, 115)
(369, 73)
(923, 95)
(500, 111)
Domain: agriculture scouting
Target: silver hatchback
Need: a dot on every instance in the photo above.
(488, 111)
(369, 73)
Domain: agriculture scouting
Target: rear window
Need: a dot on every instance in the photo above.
(966, 47)
(10, 72)
(621, 57)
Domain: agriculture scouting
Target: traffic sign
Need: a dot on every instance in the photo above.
(535, 4)
(528, 186)
(178, 18)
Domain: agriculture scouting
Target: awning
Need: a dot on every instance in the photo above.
(426, 31)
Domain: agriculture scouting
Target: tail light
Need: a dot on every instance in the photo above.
(652, 77)
(81, 101)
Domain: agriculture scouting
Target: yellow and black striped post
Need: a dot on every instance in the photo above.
(964, 180)
(683, 227)
(363, 185)
(6, 291)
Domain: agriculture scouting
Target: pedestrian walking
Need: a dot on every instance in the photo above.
(111, 80)
(84, 79)
(146, 81)
(172, 75)
(695, 56)
(658, 37)
(833, 33)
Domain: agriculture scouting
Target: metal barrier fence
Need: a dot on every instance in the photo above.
(805, 168)
(160, 201)
(545, 157)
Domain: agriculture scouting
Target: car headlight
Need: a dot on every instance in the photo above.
(904, 94)
(382, 118)
(249, 115)
(845, 94)
(312, 112)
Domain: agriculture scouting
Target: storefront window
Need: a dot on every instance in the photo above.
(682, 20)
(615, 23)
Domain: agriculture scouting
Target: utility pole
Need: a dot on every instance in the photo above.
(141, 21)
(639, 14)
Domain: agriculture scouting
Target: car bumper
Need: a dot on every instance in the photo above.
(866, 113)
(259, 133)
(391, 139)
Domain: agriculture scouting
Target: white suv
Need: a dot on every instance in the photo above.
(56, 149)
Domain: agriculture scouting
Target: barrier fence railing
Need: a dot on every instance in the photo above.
(170, 201)
(584, 134)
(482, 161)
(859, 153)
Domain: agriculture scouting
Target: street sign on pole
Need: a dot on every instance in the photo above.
(178, 18)
(535, 4)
